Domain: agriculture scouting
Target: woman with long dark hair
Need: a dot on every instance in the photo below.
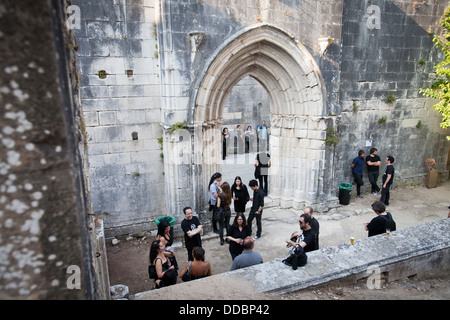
(238, 232)
(165, 235)
(165, 272)
(223, 205)
(240, 195)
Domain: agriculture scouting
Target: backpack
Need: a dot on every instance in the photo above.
(297, 258)
(390, 223)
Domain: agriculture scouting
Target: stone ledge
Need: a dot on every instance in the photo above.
(419, 249)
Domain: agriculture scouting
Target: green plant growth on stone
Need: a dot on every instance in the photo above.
(382, 120)
(355, 107)
(102, 74)
(421, 62)
(391, 98)
(419, 124)
(176, 126)
(331, 137)
(440, 89)
(160, 141)
(137, 174)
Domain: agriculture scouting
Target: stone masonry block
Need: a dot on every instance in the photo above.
(90, 118)
(107, 117)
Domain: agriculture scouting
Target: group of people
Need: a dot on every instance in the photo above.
(373, 162)
(239, 233)
(244, 140)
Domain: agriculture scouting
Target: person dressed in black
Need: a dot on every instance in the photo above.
(373, 162)
(388, 179)
(307, 237)
(381, 222)
(165, 235)
(257, 207)
(314, 223)
(240, 195)
(192, 228)
(239, 230)
(262, 161)
(166, 274)
(225, 137)
(223, 205)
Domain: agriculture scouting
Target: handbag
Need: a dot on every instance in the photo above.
(187, 275)
(297, 258)
(152, 272)
(257, 172)
(218, 215)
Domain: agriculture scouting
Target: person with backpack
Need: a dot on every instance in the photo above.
(381, 222)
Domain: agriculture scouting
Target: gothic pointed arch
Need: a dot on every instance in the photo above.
(285, 68)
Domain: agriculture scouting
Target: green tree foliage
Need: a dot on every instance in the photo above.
(440, 89)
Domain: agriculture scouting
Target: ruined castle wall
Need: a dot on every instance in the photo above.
(46, 219)
(168, 43)
(394, 60)
(120, 94)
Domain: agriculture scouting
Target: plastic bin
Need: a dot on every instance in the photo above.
(345, 190)
(171, 220)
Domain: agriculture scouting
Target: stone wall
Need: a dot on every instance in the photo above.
(393, 61)
(171, 47)
(46, 217)
(120, 94)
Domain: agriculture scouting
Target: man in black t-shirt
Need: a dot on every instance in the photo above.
(308, 238)
(192, 228)
(373, 162)
(388, 179)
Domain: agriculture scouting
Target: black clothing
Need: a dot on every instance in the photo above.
(315, 226)
(373, 172)
(195, 241)
(169, 277)
(224, 222)
(309, 237)
(258, 201)
(242, 195)
(236, 248)
(378, 224)
(373, 159)
(263, 164)
(385, 196)
(389, 170)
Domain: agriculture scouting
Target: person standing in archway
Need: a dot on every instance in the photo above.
(262, 136)
(263, 162)
(225, 137)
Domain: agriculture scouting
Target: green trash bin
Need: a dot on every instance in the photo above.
(345, 190)
(171, 220)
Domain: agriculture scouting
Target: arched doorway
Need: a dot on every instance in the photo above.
(297, 104)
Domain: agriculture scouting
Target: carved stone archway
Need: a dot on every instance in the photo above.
(297, 94)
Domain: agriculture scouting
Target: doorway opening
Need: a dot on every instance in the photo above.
(297, 104)
(245, 108)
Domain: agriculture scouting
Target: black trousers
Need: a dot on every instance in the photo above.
(373, 177)
(359, 182)
(385, 196)
(252, 216)
(263, 186)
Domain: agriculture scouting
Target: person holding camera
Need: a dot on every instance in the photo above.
(307, 238)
